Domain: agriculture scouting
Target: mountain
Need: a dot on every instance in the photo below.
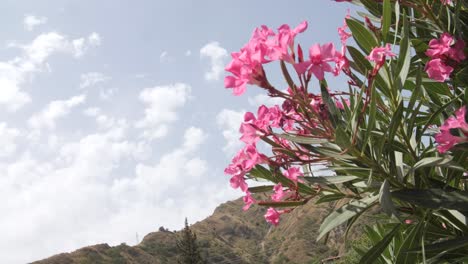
(231, 235)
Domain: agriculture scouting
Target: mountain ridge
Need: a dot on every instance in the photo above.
(229, 235)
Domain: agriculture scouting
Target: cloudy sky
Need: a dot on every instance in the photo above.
(113, 116)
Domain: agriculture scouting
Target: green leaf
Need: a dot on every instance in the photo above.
(431, 162)
(374, 253)
(302, 139)
(262, 173)
(330, 197)
(282, 204)
(448, 245)
(404, 58)
(387, 18)
(462, 76)
(385, 199)
(261, 189)
(410, 240)
(434, 198)
(330, 179)
(331, 106)
(364, 38)
(286, 75)
(344, 213)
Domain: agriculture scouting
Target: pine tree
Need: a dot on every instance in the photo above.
(188, 248)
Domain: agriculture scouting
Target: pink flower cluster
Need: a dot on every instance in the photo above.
(320, 57)
(378, 54)
(242, 163)
(445, 54)
(307, 116)
(263, 47)
(454, 124)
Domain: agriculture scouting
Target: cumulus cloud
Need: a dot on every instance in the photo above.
(229, 122)
(81, 45)
(100, 199)
(53, 111)
(8, 137)
(263, 99)
(94, 39)
(92, 78)
(16, 72)
(165, 57)
(31, 21)
(162, 103)
(216, 54)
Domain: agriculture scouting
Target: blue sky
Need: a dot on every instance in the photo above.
(113, 115)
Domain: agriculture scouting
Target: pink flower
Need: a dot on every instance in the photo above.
(318, 63)
(445, 138)
(457, 51)
(293, 173)
(342, 31)
(340, 105)
(273, 216)
(263, 47)
(250, 135)
(439, 47)
(379, 54)
(238, 181)
(248, 200)
(284, 41)
(445, 48)
(242, 163)
(437, 70)
(446, 2)
(279, 193)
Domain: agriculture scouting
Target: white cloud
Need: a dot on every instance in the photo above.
(165, 57)
(81, 45)
(92, 111)
(55, 110)
(107, 94)
(8, 137)
(31, 21)
(162, 103)
(92, 78)
(82, 192)
(263, 99)
(229, 122)
(94, 39)
(216, 53)
(18, 71)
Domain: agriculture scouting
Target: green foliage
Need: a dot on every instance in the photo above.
(188, 247)
(383, 152)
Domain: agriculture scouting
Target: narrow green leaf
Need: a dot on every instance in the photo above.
(344, 213)
(375, 252)
(330, 179)
(434, 198)
(330, 198)
(387, 18)
(261, 189)
(364, 38)
(331, 106)
(286, 75)
(385, 199)
(282, 204)
(410, 240)
(448, 245)
(301, 139)
(431, 162)
(404, 58)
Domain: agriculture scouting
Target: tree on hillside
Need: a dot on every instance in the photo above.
(188, 247)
